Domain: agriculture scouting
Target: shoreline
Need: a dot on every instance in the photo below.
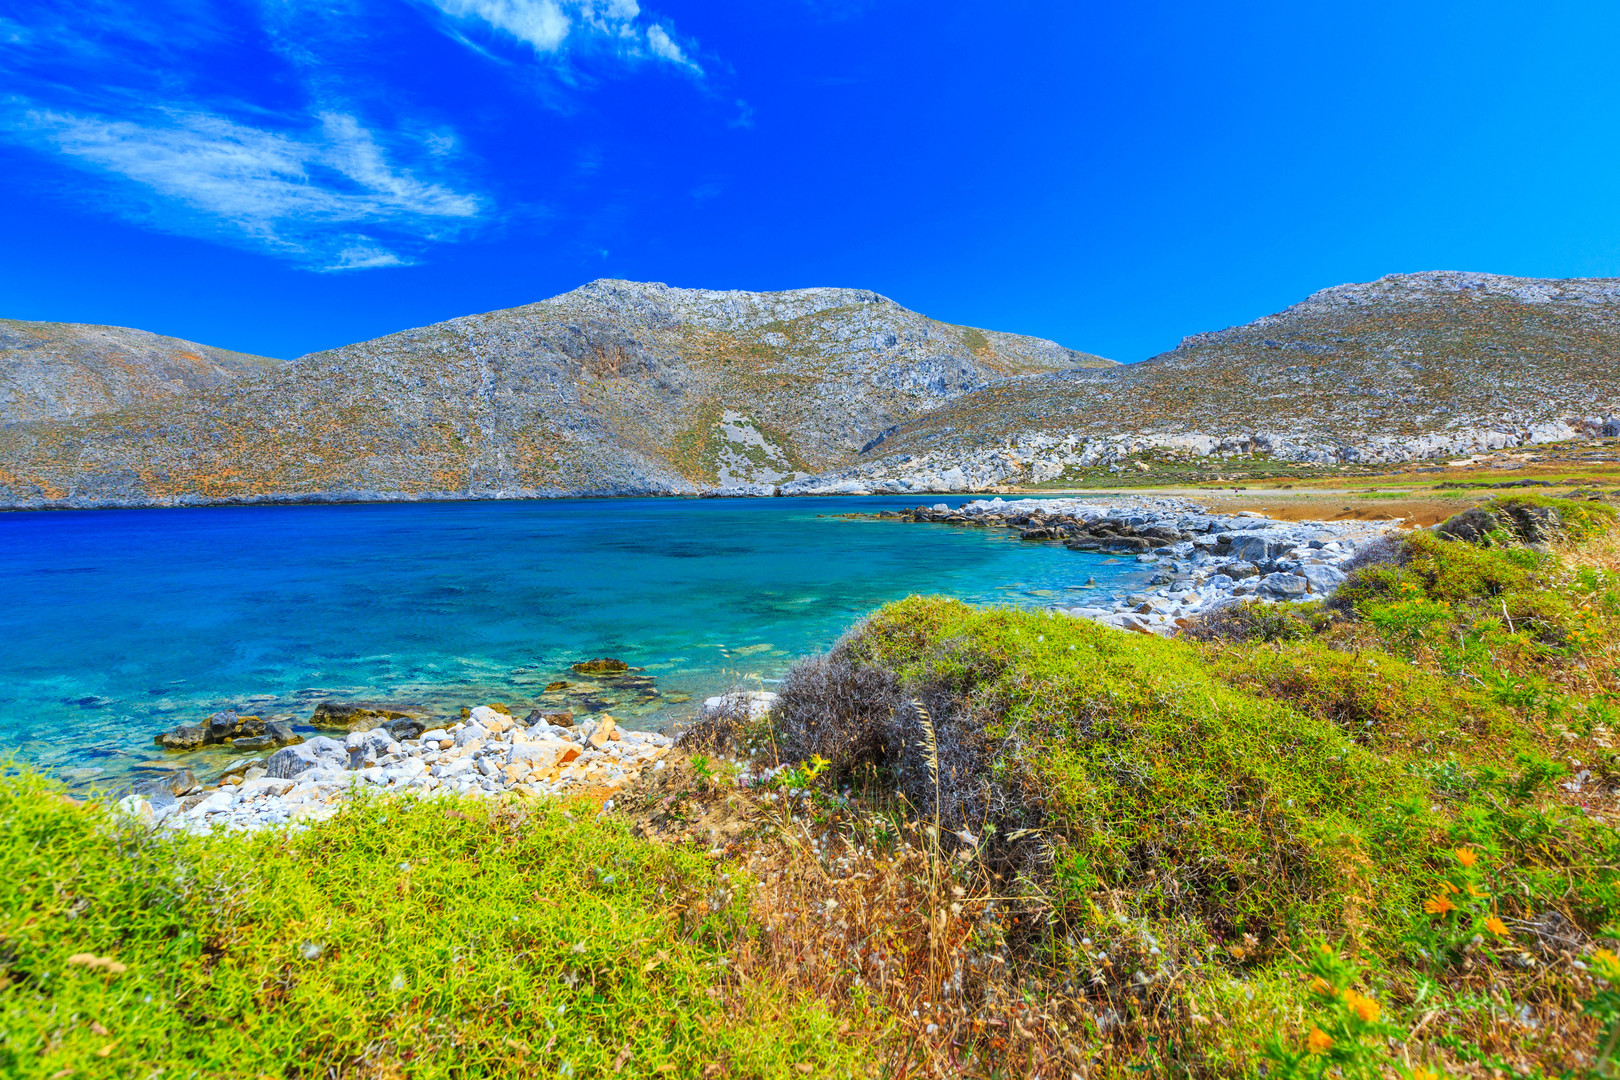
(1207, 561)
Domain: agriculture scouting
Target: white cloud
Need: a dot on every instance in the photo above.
(547, 25)
(297, 194)
(661, 44)
(540, 23)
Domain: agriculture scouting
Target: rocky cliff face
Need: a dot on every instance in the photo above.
(1406, 367)
(616, 387)
(56, 371)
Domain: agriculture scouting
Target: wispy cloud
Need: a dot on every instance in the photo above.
(547, 26)
(279, 125)
(301, 194)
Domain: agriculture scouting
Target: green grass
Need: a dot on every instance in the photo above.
(425, 939)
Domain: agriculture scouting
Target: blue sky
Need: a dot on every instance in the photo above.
(282, 176)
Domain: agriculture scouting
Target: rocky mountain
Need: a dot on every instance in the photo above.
(1407, 367)
(616, 387)
(55, 371)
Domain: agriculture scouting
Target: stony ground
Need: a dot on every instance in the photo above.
(489, 753)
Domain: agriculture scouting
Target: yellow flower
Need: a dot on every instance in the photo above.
(1364, 1007)
(1438, 905)
(1321, 986)
(1425, 1074)
(1318, 1041)
(1496, 926)
(1466, 856)
(1452, 888)
(1475, 893)
(1607, 965)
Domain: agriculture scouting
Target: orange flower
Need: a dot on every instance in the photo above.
(1496, 926)
(1475, 893)
(1452, 888)
(1320, 986)
(1438, 905)
(1364, 1007)
(1466, 856)
(1318, 1041)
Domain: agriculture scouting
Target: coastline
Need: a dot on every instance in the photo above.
(1205, 561)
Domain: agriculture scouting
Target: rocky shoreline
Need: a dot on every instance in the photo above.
(1207, 561)
(489, 753)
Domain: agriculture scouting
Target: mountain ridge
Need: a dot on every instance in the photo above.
(56, 371)
(1407, 367)
(612, 388)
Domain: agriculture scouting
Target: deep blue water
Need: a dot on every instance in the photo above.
(115, 625)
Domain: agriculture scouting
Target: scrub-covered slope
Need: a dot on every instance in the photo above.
(53, 371)
(616, 387)
(1409, 366)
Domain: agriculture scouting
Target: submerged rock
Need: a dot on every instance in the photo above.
(601, 666)
(331, 714)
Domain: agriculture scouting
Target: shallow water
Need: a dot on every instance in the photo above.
(116, 625)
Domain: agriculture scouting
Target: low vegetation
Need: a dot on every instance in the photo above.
(1369, 840)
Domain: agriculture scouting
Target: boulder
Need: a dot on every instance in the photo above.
(255, 742)
(1287, 586)
(1256, 549)
(544, 754)
(184, 737)
(555, 719)
(320, 751)
(1321, 577)
(283, 734)
(604, 733)
(225, 726)
(1237, 571)
(406, 728)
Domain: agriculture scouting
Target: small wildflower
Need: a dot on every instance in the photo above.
(1318, 1041)
(1365, 1008)
(1425, 1074)
(1467, 856)
(1496, 926)
(1438, 905)
(1320, 986)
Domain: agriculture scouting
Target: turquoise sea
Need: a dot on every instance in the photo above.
(115, 625)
